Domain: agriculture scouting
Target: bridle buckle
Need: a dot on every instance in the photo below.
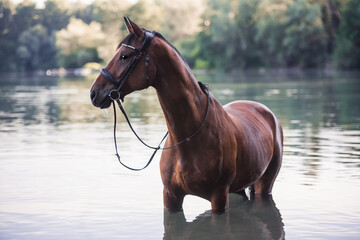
(114, 95)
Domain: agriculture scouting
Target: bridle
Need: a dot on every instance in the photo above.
(115, 95)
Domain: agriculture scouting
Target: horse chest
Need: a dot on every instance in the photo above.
(193, 179)
(192, 174)
(201, 165)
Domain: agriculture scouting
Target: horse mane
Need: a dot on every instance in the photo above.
(203, 87)
(157, 34)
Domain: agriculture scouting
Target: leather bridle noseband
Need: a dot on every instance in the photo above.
(115, 95)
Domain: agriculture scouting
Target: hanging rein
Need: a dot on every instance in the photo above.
(115, 95)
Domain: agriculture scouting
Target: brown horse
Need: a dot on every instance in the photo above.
(240, 144)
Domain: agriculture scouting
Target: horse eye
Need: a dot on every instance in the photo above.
(123, 57)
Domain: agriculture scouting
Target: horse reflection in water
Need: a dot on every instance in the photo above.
(224, 149)
(255, 219)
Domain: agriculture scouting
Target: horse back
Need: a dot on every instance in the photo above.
(252, 117)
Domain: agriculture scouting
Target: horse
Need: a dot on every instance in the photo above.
(230, 148)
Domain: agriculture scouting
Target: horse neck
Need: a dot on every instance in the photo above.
(181, 99)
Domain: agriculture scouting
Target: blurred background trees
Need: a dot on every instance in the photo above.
(78, 43)
(347, 52)
(211, 34)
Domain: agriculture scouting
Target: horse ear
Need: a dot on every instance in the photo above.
(132, 27)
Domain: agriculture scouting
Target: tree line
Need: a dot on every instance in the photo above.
(211, 34)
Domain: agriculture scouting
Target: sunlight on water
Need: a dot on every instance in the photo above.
(60, 179)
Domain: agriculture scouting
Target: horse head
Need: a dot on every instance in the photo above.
(129, 70)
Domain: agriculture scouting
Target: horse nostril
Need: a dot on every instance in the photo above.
(93, 95)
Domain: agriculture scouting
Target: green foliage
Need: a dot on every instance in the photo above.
(53, 18)
(211, 34)
(260, 33)
(7, 45)
(331, 20)
(294, 36)
(219, 42)
(26, 16)
(249, 50)
(347, 53)
(78, 43)
(79, 58)
(87, 13)
(5, 17)
(27, 35)
(36, 49)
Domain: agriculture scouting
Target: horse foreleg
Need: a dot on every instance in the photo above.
(220, 199)
(173, 202)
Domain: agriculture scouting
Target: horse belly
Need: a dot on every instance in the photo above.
(250, 166)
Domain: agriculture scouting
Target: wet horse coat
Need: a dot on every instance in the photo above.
(239, 146)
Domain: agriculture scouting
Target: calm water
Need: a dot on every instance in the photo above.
(59, 178)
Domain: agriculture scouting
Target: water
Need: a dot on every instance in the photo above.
(59, 178)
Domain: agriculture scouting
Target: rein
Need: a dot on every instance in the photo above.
(147, 145)
(115, 95)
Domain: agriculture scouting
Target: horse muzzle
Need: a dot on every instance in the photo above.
(100, 100)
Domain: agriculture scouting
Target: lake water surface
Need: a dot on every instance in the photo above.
(59, 178)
